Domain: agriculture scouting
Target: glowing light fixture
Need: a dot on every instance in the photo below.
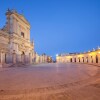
(56, 54)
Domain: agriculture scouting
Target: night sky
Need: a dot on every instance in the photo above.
(59, 26)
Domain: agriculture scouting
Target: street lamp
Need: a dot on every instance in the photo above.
(56, 55)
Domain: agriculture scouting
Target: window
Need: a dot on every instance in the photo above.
(22, 34)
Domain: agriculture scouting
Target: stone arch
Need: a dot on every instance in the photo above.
(96, 59)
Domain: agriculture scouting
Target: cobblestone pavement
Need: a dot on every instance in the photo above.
(50, 82)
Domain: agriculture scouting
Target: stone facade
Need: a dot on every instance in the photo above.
(87, 57)
(15, 44)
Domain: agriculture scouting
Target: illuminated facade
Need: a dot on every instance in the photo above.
(42, 58)
(15, 44)
(87, 57)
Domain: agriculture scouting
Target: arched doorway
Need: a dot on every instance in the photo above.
(83, 59)
(96, 59)
(74, 59)
(91, 59)
(79, 59)
(70, 59)
(23, 57)
(5, 58)
(14, 57)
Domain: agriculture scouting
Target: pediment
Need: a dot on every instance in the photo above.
(22, 18)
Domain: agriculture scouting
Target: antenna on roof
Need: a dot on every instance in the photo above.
(8, 9)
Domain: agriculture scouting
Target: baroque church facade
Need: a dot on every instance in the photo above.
(15, 44)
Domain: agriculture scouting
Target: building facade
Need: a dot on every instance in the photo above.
(15, 44)
(42, 58)
(87, 57)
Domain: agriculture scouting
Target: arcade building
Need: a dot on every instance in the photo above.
(91, 57)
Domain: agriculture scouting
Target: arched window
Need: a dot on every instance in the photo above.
(22, 34)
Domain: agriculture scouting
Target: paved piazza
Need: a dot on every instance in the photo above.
(50, 82)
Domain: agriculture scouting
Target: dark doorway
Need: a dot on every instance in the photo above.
(96, 59)
(91, 59)
(75, 59)
(5, 58)
(79, 59)
(83, 59)
(70, 59)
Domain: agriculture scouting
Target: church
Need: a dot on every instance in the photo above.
(15, 44)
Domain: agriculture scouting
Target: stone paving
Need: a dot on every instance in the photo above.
(50, 82)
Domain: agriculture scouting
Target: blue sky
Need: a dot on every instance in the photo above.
(59, 26)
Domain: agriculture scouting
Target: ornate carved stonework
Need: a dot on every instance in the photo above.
(11, 39)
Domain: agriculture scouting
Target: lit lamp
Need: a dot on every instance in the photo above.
(56, 55)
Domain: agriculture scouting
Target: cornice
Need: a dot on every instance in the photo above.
(18, 17)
